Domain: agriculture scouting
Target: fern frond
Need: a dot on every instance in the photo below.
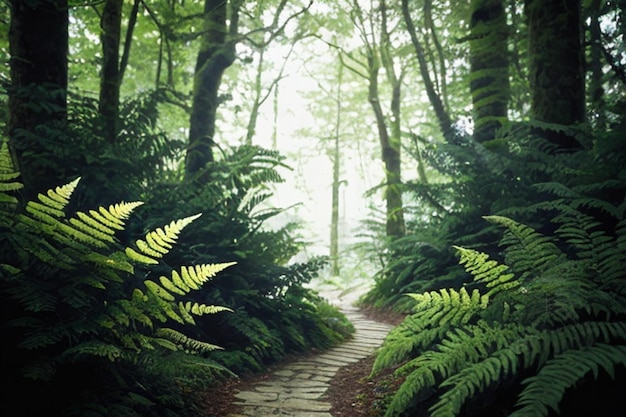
(528, 251)
(158, 242)
(8, 174)
(40, 370)
(461, 349)
(62, 194)
(189, 278)
(202, 309)
(403, 341)
(486, 271)
(473, 379)
(186, 343)
(545, 390)
(438, 308)
(94, 348)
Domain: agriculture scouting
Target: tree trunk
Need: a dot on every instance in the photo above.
(489, 78)
(217, 53)
(38, 37)
(108, 105)
(390, 156)
(336, 160)
(391, 144)
(442, 84)
(445, 123)
(596, 91)
(258, 99)
(556, 65)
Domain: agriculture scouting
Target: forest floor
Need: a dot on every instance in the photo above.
(351, 392)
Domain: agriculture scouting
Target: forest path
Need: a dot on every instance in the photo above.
(297, 389)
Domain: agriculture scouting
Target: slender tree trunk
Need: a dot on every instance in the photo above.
(38, 37)
(108, 106)
(217, 53)
(596, 91)
(275, 118)
(442, 85)
(257, 101)
(336, 160)
(489, 79)
(556, 65)
(445, 123)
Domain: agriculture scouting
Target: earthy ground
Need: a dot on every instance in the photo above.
(351, 393)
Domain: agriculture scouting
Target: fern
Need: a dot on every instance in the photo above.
(544, 313)
(158, 242)
(75, 297)
(544, 390)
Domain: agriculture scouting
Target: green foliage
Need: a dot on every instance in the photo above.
(534, 328)
(273, 312)
(54, 154)
(548, 320)
(77, 302)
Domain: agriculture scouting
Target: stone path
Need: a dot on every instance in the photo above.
(297, 389)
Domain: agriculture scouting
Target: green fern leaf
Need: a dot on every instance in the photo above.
(121, 211)
(545, 390)
(147, 249)
(201, 309)
(40, 370)
(171, 286)
(155, 246)
(157, 243)
(138, 257)
(185, 342)
(74, 233)
(179, 282)
(159, 291)
(106, 219)
(187, 275)
(95, 223)
(63, 193)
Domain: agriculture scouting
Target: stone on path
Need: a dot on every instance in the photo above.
(297, 389)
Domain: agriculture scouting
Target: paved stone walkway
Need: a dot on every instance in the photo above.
(297, 389)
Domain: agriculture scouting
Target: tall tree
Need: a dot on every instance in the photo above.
(595, 63)
(217, 52)
(434, 96)
(556, 69)
(112, 66)
(489, 77)
(336, 184)
(391, 143)
(379, 54)
(38, 37)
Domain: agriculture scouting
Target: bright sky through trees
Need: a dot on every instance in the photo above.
(300, 137)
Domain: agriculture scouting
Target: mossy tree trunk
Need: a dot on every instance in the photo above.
(38, 37)
(489, 77)
(555, 64)
(216, 54)
(391, 144)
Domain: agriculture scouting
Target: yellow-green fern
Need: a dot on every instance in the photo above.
(158, 242)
